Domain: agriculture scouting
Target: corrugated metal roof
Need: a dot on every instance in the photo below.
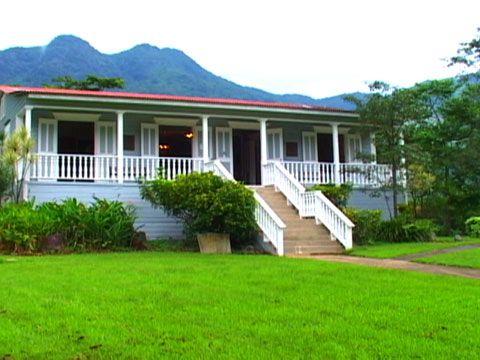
(7, 89)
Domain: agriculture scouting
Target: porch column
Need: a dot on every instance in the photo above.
(28, 119)
(336, 154)
(120, 147)
(205, 144)
(373, 148)
(263, 147)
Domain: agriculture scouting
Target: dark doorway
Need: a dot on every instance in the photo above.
(325, 147)
(76, 138)
(175, 141)
(246, 156)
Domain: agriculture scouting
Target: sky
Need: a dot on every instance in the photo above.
(315, 48)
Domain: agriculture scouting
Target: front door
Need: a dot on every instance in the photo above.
(325, 147)
(246, 156)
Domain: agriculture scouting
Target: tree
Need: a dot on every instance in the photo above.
(468, 54)
(18, 155)
(5, 173)
(389, 111)
(91, 82)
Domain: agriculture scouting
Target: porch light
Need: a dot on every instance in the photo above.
(189, 135)
(164, 147)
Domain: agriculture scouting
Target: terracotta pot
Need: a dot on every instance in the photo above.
(213, 243)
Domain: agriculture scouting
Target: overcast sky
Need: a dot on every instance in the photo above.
(316, 48)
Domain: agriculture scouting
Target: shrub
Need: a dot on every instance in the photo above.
(205, 203)
(473, 226)
(337, 194)
(102, 225)
(367, 224)
(400, 230)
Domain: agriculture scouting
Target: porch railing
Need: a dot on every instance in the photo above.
(310, 203)
(357, 174)
(105, 167)
(269, 222)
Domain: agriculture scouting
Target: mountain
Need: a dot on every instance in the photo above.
(145, 68)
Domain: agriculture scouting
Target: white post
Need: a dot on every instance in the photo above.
(205, 144)
(120, 147)
(373, 148)
(263, 148)
(28, 119)
(336, 153)
(404, 171)
(28, 127)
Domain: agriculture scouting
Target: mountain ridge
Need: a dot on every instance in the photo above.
(145, 68)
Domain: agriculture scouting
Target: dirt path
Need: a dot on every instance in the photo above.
(424, 254)
(401, 265)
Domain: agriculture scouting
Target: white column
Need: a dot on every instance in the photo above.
(120, 147)
(205, 144)
(28, 119)
(263, 141)
(336, 153)
(373, 148)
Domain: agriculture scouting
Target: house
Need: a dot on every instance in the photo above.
(99, 143)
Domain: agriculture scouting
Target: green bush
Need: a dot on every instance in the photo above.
(205, 203)
(400, 229)
(337, 194)
(102, 225)
(473, 226)
(367, 224)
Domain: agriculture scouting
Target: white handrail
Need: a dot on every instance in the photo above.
(269, 222)
(311, 203)
(333, 219)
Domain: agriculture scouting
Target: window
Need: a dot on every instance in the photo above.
(309, 146)
(129, 142)
(291, 149)
(6, 129)
(354, 147)
(275, 144)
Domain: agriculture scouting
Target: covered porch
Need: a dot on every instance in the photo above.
(125, 146)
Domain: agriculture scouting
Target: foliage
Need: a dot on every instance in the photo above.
(473, 226)
(468, 54)
(419, 184)
(338, 195)
(400, 229)
(102, 225)
(18, 156)
(204, 203)
(6, 178)
(91, 82)
(389, 110)
(367, 225)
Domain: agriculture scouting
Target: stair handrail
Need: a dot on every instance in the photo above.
(339, 225)
(267, 220)
(313, 204)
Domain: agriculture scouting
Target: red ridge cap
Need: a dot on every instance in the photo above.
(8, 89)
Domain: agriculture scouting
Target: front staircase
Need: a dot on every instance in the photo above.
(302, 236)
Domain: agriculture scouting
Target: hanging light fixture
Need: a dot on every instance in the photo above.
(189, 135)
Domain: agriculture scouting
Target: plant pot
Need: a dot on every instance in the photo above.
(214, 243)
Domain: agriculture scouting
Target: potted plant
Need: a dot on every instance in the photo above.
(211, 209)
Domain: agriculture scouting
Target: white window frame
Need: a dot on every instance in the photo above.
(351, 155)
(315, 144)
(55, 136)
(272, 132)
(113, 125)
(228, 130)
(142, 140)
(196, 138)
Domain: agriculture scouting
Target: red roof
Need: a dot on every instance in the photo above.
(163, 97)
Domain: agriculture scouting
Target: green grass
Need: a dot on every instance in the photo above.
(464, 258)
(152, 305)
(392, 250)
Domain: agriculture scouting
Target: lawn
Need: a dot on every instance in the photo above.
(464, 258)
(392, 250)
(151, 305)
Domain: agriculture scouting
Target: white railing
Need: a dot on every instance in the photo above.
(148, 168)
(357, 174)
(269, 222)
(333, 219)
(74, 167)
(310, 203)
(104, 167)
